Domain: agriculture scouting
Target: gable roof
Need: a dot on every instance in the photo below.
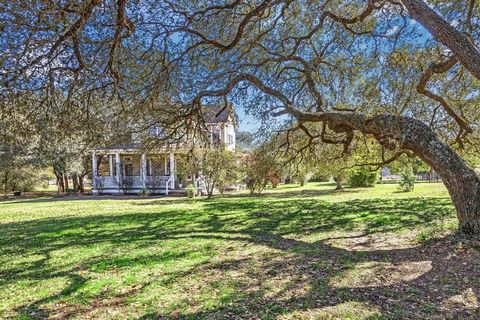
(215, 113)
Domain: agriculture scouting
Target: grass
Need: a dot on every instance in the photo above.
(292, 253)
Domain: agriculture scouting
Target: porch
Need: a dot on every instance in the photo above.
(129, 172)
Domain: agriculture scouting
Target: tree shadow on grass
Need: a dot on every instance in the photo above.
(307, 276)
(76, 197)
(236, 200)
(169, 200)
(430, 287)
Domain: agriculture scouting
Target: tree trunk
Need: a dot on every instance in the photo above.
(60, 185)
(210, 191)
(65, 183)
(5, 183)
(406, 133)
(462, 182)
(75, 182)
(339, 182)
(81, 186)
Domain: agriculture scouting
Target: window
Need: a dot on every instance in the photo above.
(230, 138)
(114, 162)
(168, 164)
(103, 167)
(156, 132)
(215, 138)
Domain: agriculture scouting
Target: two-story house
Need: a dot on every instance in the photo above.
(128, 169)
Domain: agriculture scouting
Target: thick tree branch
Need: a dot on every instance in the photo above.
(121, 23)
(458, 42)
(70, 33)
(439, 68)
(255, 12)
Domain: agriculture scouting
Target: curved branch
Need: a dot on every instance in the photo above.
(458, 42)
(438, 68)
(70, 33)
(288, 105)
(121, 23)
(257, 11)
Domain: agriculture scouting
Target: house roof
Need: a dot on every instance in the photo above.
(216, 113)
(136, 148)
(125, 146)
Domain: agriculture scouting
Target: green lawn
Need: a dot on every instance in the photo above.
(292, 253)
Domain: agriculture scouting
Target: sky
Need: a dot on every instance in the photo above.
(247, 122)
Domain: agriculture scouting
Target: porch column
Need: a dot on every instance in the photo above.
(94, 170)
(172, 170)
(110, 162)
(165, 167)
(117, 163)
(143, 169)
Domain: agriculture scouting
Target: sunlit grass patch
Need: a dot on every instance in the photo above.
(293, 252)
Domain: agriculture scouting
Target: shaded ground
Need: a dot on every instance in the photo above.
(295, 253)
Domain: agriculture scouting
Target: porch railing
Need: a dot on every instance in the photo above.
(132, 182)
(167, 183)
(156, 182)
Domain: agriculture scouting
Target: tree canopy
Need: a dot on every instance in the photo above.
(405, 72)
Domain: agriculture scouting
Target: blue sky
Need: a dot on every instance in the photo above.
(247, 122)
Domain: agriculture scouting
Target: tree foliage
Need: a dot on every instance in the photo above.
(261, 167)
(362, 176)
(218, 168)
(403, 72)
(407, 179)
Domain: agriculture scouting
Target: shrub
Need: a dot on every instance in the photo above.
(191, 191)
(407, 179)
(274, 178)
(126, 184)
(363, 176)
(218, 168)
(143, 192)
(320, 177)
(23, 179)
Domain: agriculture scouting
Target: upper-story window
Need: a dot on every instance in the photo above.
(229, 138)
(156, 132)
(215, 136)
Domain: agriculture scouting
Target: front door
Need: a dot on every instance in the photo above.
(128, 166)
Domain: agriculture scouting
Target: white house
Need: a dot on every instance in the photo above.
(127, 169)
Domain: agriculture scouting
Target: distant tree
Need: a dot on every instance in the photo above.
(260, 169)
(218, 168)
(245, 141)
(362, 176)
(407, 179)
(20, 169)
(18, 173)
